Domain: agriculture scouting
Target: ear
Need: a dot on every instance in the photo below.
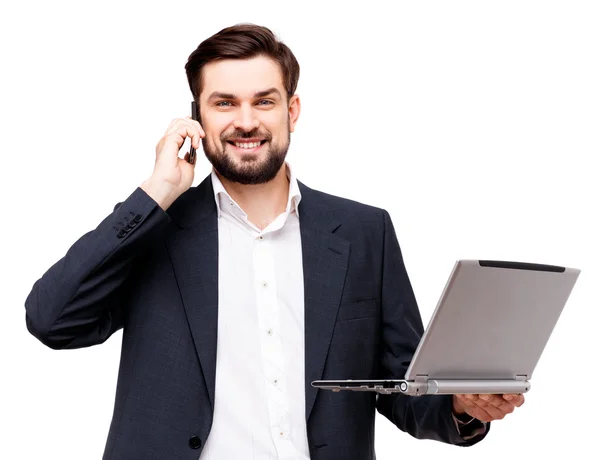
(294, 111)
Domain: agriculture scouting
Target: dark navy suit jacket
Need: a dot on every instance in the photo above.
(154, 274)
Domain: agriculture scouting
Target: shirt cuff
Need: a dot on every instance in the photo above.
(466, 427)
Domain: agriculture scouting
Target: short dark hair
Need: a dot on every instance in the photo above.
(242, 41)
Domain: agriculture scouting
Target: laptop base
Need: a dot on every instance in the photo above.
(427, 387)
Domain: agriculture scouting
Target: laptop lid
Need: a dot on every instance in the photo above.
(492, 321)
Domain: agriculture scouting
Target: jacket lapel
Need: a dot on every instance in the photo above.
(325, 261)
(194, 255)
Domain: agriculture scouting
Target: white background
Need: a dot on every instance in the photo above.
(474, 123)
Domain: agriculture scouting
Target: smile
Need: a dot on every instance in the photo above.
(247, 146)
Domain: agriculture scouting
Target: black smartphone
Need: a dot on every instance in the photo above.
(192, 158)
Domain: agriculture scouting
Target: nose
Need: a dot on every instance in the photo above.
(245, 119)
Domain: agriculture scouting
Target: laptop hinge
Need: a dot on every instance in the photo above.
(521, 377)
(422, 378)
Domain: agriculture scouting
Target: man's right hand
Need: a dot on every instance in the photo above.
(173, 175)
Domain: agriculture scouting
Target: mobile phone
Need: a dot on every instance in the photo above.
(192, 158)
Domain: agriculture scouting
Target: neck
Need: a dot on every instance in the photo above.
(262, 202)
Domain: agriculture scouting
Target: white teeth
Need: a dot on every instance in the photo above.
(247, 145)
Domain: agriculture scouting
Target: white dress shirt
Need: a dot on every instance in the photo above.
(259, 411)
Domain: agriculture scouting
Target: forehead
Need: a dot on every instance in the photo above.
(242, 77)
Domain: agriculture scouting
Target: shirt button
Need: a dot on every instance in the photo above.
(260, 237)
(265, 284)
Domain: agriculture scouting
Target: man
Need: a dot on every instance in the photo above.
(234, 295)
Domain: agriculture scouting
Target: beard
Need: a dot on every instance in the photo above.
(252, 170)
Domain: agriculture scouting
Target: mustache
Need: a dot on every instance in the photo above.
(245, 135)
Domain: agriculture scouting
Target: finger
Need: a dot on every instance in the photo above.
(200, 128)
(181, 131)
(467, 399)
(477, 412)
(173, 121)
(463, 398)
(499, 402)
(178, 123)
(492, 410)
(197, 125)
(516, 399)
(459, 403)
(197, 131)
(473, 409)
(480, 414)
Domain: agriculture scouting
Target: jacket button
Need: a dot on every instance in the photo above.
(121, 234)
(131, 224)
(195, 442)
(137, 218)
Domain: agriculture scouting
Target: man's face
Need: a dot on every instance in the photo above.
(247, 119)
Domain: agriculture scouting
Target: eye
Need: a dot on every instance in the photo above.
(265, 100)
(218, 104)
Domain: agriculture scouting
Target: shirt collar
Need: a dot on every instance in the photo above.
(294, 195)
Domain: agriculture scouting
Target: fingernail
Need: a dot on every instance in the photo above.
(485, 397)
(508, 397)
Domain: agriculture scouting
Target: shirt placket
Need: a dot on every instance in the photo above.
(271, 344)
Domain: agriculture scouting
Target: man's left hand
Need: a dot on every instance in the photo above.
(486, 407)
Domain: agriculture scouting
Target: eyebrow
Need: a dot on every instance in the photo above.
(267, 92)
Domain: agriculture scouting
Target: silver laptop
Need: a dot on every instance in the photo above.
(487, 333)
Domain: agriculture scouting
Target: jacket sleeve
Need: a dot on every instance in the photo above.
(423, 417)
(78, 301)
